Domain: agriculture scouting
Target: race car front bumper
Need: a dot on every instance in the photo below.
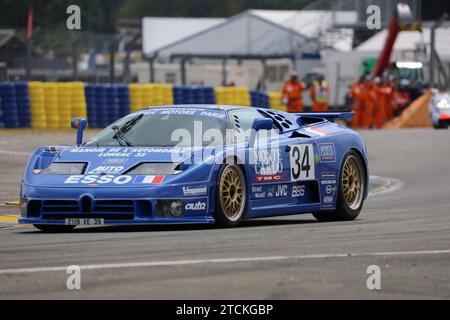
(151, 205)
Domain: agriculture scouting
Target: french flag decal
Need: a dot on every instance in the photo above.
(148, 180)
(317, 131)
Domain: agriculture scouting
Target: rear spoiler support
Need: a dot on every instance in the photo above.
(330, 116)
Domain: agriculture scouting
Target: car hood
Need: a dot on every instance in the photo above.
(105, 166)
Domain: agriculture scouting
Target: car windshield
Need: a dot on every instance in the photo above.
(165, 127)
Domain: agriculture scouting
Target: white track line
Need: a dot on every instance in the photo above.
(217, 261)
(390, 185)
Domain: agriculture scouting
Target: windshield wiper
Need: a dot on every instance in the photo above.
(120, 137)
(130, 124)
(119, 134)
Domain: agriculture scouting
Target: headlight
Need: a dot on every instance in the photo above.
(71, 168)
(443, 104)
(156, 169)
(169, 208)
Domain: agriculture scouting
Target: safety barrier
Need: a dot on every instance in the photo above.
(259, 99)
(275, 101)
(193, 95)
(2, 120)
(9, 105)
(51, 105)
(150, 95)
(238, 96)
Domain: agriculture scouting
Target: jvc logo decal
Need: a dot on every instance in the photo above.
(282, 191)
(197, 206)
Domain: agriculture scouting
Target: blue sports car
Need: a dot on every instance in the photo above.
(198, 164)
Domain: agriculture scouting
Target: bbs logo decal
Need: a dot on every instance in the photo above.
(197, 206)
(302, 162)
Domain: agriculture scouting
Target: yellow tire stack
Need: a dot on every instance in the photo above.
(51, 105)
(275, 101)
(163, 95)
(238, 96)
(38, 112)
(79, 107)
(65, 104)
(136, 102)
(150, 95)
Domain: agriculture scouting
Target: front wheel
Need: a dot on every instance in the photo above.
(53, 228)
(231, 196)
(352, 188)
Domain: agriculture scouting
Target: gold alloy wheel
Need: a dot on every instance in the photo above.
(353, 182)
(232, 192)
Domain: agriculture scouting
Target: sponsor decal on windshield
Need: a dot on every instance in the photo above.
(217, 114)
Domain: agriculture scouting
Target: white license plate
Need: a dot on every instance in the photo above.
(84, 222)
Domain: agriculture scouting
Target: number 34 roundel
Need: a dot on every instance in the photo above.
(302, 162)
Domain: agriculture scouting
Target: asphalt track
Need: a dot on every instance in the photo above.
(404, 229)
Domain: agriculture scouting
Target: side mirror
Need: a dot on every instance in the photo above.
(79, 124)
(259, 124)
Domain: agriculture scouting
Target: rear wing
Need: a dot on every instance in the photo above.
(330, 116)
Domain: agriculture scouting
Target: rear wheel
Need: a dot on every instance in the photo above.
(53, 228)
(231, 196)
(352, 188)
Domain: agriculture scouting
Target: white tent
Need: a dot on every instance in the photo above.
(160, 32)
(263, 33)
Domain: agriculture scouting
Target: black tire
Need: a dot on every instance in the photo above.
(53, 228)
(345, 211)
(440, 126)
(224, 215)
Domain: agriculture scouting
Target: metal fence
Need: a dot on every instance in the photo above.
(63, 55)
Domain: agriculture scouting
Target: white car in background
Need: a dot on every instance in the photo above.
(439, 109)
